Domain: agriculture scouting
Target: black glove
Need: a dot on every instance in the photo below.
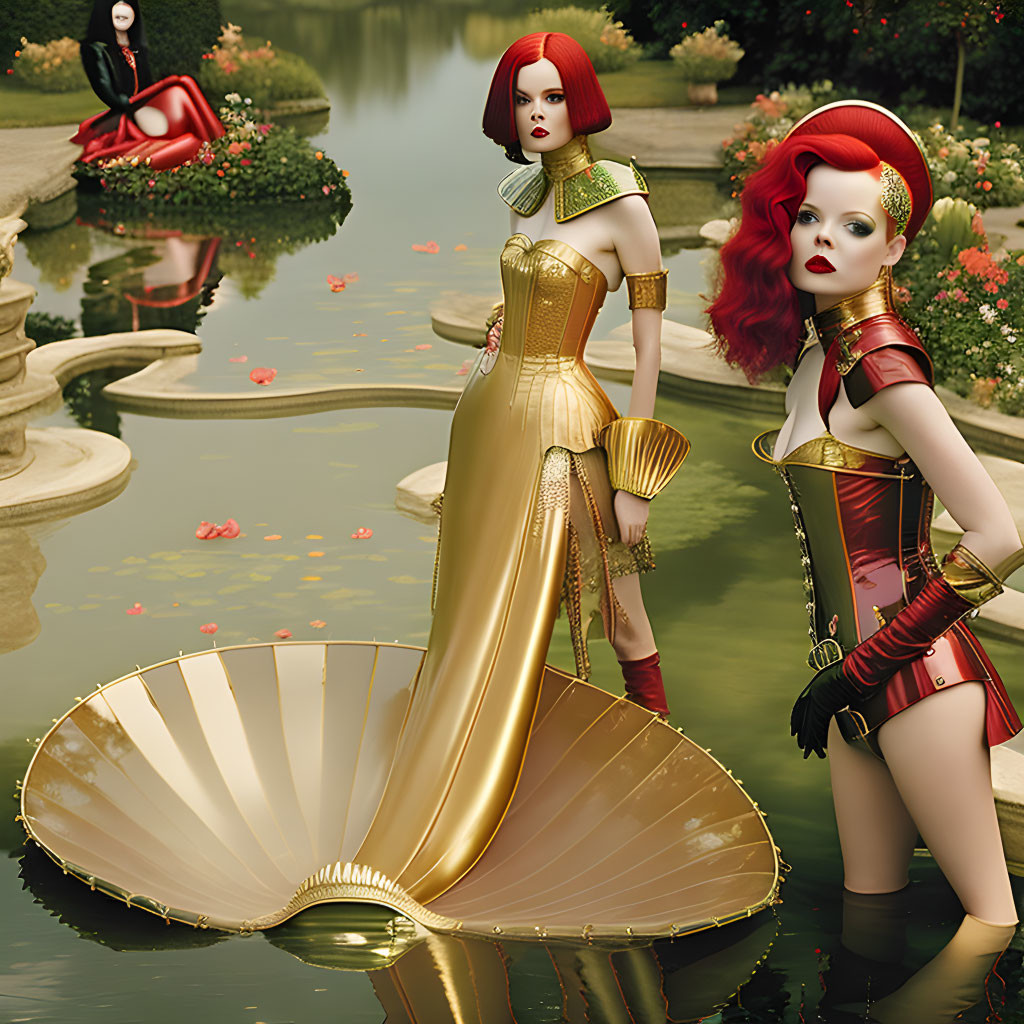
(828, 692)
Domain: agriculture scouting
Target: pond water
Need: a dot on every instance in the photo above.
(406, 86)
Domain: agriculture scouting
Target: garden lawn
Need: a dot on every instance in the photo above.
(26, 108)
(657, 83)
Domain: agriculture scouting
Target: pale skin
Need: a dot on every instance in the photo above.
(151, 121)
(941, 789)
(618, 238)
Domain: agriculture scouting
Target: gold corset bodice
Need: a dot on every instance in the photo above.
(552, 297)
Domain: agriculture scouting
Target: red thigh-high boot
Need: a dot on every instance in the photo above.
(644, 685)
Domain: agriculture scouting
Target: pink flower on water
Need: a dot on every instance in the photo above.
(363, 533)
(262, 375)
(136, 609)
(283, 634)
(209, 627)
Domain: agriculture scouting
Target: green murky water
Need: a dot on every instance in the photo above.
(407, 86)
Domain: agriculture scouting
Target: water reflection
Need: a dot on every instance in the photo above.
(875, 974)
(380, 51)
(421, 977)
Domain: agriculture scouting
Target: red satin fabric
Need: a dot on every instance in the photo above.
(190, 122)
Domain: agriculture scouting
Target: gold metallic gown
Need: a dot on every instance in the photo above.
(527, 517)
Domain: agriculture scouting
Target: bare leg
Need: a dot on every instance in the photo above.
(876, 832)
(634, 638)
(939, 761)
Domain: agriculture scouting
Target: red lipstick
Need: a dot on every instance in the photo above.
(819, 265)
(540, 133)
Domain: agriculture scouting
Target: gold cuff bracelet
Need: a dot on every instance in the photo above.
(643, 455)
(972, 579)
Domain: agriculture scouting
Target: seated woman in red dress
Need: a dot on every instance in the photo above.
(165, 122)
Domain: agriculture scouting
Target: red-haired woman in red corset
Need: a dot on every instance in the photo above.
(163, 122)
(904, 698)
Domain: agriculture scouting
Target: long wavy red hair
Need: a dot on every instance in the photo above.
(588, 109)
(756, 312)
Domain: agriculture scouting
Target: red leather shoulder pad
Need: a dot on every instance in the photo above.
(883, 350)
(889, 353)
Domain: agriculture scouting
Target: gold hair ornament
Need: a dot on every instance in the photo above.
(896, 197)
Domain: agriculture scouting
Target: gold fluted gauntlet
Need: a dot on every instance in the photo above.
(643, 455)
(648, 290)
(972, 579)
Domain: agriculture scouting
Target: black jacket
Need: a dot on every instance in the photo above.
(110, 76)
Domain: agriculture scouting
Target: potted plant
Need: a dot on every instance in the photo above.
(706, 58)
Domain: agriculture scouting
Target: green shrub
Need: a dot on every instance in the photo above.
(707, 57)
(50, 67)
(180, 32)
(43, 328)
(606, 43)
(256, 70)
(39, 22)
(251, 163)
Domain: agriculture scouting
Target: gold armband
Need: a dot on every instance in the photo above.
(643, 455)
(972, 579)
(647, 291)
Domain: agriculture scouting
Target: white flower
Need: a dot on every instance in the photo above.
(1006, 330)
(233, 97)
(988, 314)
(949, 177)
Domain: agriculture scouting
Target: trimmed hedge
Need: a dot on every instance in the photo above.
(179, 31)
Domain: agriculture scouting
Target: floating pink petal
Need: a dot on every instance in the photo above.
(239, 359)
(431, 247)
(318, 623)
(209, 627)
(420, 348)
(283, 634)
(363, 533)
(136, 609)
(262, 375)
(230, 529)
(207, 530)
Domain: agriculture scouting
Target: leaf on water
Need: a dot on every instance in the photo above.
(272, 536)
(311, 579)
(313, 536)
(461, 248)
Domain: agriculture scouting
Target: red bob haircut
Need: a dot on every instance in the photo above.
(588, 109)
(756, 313)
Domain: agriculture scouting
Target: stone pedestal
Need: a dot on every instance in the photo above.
(15, 300)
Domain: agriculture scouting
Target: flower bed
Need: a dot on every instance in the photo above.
(608, 45)
(252, 163)
(984, 171)
(267, 76)
(967, 306)
(51, 67)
